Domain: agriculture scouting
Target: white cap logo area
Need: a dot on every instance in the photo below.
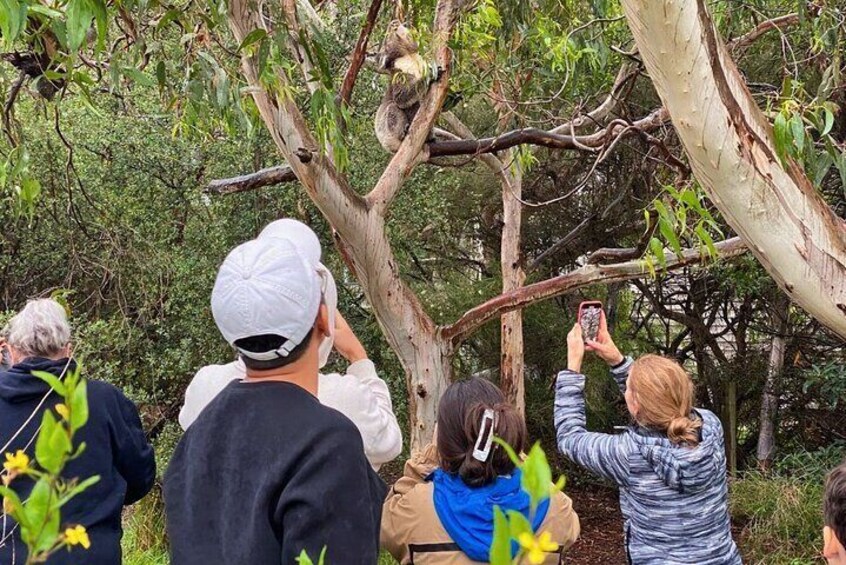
(266, 287)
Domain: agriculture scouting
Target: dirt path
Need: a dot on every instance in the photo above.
(601, 541)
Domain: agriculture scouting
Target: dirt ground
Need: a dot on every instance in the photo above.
(601, 541)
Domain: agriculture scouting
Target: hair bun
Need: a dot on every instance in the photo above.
(683, 429)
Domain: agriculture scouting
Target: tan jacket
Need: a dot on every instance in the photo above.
(412, 531)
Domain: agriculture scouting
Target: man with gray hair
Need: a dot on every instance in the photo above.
(117, 451)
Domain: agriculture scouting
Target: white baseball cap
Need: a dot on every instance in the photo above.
(306, 241)
(266, 287)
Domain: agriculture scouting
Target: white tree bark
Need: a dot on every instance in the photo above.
(769, 398)
(776, 210)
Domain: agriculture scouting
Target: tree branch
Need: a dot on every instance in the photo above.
(532, 136)
(265, 177)
(752, 36)
(359, 53)
(583, 276)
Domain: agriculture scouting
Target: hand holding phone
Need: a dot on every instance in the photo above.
(590, 317)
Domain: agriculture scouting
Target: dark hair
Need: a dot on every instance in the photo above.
(459, 418)
(270, 342)
(834, 502)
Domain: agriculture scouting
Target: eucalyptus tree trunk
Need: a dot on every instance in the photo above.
(513, 277)
(769, 398)
(774, 208)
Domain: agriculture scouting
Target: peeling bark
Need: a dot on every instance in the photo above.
(788, 226)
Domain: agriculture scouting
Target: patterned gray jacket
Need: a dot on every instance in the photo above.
(674, 499)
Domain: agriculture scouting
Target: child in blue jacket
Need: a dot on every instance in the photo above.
(670, 465)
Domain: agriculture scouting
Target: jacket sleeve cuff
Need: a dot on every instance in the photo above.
(362, 368)
(622, 368)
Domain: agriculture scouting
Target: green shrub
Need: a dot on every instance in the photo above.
(781, 514)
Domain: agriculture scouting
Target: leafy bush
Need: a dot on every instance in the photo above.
(781, 514)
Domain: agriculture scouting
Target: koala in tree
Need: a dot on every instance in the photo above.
(410, 78)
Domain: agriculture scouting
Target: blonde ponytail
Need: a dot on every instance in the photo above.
(664, 394)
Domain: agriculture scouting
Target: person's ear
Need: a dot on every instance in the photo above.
(832, 548)
(322, 323)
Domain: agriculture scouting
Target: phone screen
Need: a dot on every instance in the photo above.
(590, 322)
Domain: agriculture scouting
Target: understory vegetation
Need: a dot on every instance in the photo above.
(108, 200)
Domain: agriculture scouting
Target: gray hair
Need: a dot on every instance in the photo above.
(41, 329)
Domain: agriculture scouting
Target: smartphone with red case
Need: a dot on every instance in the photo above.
(590, 314)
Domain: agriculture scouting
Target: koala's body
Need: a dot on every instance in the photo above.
(409, 81)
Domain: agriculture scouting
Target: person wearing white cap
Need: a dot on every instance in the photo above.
(267, 471)
(360, 394)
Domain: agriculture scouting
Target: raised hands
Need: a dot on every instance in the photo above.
(346, 342)
(604, 346)
(575, 349)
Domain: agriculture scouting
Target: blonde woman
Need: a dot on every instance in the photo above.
(670, 464)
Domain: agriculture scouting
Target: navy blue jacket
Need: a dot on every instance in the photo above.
(116, 450)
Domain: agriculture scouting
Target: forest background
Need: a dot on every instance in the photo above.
(107, 199)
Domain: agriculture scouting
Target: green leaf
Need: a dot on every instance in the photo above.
(79, 14)
(829, 121)
(12, 20)
(161, 75)
(304, 559)
(77, 489)
(781, 136)
(657, 249)
(79, 406)
(44, 10)
(518, 524)
(797, 130)
(43, 520)
(707, 240)
(253, 37)
(137, 76)
(508, 450)
(18, 511)
(101, 19)
(52, 445)
(51, 380)
(536, 477)
(500, 553)
(669, 235)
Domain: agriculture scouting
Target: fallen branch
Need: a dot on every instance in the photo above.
(265, 177)
(583, 276)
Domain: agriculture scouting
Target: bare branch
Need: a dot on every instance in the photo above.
(359, 53)
(751, 37)
(583, 276)
(532, 136)
(627, 72)
(265, 177)
(9, 106)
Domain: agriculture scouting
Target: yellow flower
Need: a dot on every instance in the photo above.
(63, 411)
(537, 547)
(17, 463)
(77, 536)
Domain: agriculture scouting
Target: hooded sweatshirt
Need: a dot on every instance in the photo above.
(432, 517)
(116, 450)
(674, 499)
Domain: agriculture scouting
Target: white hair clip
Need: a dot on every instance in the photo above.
(485, 452)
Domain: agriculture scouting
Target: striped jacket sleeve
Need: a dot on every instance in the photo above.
(604, 454)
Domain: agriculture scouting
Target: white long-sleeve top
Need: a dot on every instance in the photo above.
(360, 395)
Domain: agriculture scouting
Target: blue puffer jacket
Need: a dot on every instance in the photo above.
(674, 499)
